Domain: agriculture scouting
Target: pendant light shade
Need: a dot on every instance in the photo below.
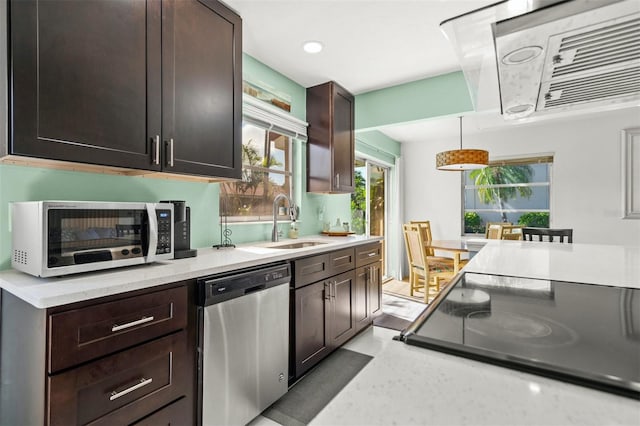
(462, 159)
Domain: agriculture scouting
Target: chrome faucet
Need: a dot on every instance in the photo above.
(274, 232)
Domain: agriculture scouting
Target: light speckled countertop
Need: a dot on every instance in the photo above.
(49, 292)
(408, 385)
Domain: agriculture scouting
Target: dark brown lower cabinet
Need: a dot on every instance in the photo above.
(341, 306)
(368, 297)
(326, 313)
(121, 388)
(374, 285)
(362, 316)
(311, 326)
(323, 319)
(146, 365)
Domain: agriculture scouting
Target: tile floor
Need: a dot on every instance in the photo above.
(372, 340)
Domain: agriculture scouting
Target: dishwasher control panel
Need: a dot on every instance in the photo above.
(219, 288)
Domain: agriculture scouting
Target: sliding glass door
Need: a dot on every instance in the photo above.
(368, 201)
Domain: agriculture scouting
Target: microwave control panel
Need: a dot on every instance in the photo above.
(164, 231)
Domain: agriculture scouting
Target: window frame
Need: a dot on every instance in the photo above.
(511, 161)
(288, 174)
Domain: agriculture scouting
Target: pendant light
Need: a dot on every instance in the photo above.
(462, 159)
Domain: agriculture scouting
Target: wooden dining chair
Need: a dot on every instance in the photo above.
(547, 234)
(494, 229)
(425, 228)
(511, 232)
(425, 272)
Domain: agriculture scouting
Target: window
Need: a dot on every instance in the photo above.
(516, 191)
(266, 172)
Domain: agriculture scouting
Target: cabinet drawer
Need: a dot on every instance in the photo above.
(311, 269)
(316, 268)
(121, 388)
(341, 261)
(87, 333)
(368, 253)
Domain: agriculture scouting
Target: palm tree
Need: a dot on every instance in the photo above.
(486, 178)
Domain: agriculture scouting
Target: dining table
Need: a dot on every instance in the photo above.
(457, 248)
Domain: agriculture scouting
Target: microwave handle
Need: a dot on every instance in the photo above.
(153, 232)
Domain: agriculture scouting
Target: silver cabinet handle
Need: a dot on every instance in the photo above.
(327, 291)
(170, 159)
(156, 150)
(337, 180)
(141, 383)
(372, 254)
(142, 320)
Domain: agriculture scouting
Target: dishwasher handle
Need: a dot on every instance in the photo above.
(254, 289)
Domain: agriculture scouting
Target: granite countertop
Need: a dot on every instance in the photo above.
(49, 292)
(430, 387)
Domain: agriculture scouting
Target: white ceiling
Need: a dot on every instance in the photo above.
(368, 45)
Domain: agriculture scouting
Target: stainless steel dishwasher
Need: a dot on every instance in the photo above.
(243, 343)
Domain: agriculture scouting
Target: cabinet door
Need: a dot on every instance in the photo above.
(343, 140)
(330, 149)
(311, 332)
(361, 311)
(85, 81)
(374, 284)
(341, 309)
(202, 88)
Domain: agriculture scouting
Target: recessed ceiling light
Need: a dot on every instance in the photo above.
(312, 46)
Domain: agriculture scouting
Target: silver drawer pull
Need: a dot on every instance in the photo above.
(371, 254)
(141, 383)
(142, 320)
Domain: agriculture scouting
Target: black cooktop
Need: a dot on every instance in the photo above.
(581, 333)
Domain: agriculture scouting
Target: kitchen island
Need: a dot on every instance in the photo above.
(411, 385)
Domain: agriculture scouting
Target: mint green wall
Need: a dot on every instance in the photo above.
(431, 97)
(19, 183)
(263, 76)
(335, 206)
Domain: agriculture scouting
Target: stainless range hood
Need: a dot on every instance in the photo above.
(532, 58)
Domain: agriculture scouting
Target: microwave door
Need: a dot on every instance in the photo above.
(88, 236)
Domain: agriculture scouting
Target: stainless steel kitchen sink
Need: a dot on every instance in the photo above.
(297, 245)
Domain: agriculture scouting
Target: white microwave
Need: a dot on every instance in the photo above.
(53, 238)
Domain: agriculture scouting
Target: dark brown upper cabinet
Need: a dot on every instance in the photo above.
(153, 86)
(331, 144)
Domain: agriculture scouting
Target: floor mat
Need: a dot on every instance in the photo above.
(391, 321)
(314, 391)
